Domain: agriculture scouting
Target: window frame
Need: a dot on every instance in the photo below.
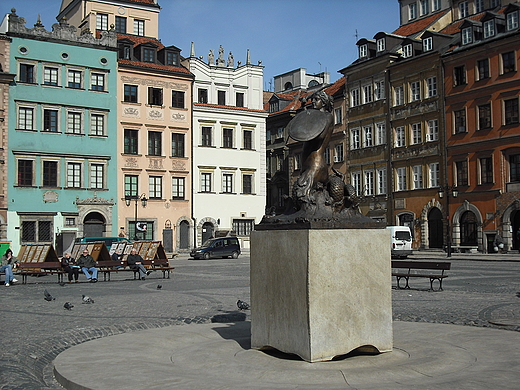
(51, 73)
(178, 188)
(131, 141)
(130, 93)
(50, 177)
(178, 99)
(460, 121)
(155, 143)
(53, 122)
(508, 63)
(131, 185)
(75, 118)
(25, 172)
(484, 116)
(75, 78)
(97, 81)
(206, 136)
(178, 145)
(228, 135)
(139, 27)
(97, 175)
(74, 174)
(155, 185)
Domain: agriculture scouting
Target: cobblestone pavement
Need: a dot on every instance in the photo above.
(480, 291)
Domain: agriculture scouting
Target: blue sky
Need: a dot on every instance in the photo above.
(319, 35)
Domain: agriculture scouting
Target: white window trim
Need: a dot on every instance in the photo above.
(104, 165)
(31, 106)
(82, 172)
(82, 122)
(58, 169)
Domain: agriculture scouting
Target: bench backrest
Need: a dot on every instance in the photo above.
(432, 265)
(54, 265)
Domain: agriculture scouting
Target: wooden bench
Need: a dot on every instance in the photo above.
(109, 266)
(406, 269)
(40, 269)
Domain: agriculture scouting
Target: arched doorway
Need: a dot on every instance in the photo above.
(515, 224)
(184, 239)
(468, 229)
(94, 225)
(207, 231)
(435, 235)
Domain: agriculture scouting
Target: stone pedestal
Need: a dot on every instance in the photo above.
(321, 293)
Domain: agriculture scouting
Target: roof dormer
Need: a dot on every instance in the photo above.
(146, 52)
(366, 48)
(511, 13)
(470, 31)
(170, 56)
(126, 49)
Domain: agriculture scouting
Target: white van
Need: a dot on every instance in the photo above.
(401, 238)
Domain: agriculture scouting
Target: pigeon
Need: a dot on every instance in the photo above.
(518, 294)
(242, 305)
(62, 284)
(68, 305)
(48, 297)
(159, 286)
(87, 299)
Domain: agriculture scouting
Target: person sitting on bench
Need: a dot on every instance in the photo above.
(135, 261)
(88, 266)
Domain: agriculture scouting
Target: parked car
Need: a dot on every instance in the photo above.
(107, 240)
(218, 247)
(401, 238)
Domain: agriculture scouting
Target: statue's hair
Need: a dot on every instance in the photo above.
(325, 98)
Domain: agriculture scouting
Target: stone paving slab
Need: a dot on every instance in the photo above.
(218, 356)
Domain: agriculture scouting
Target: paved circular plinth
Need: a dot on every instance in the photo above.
(218, 356)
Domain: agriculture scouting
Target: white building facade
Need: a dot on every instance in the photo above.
(229, 167)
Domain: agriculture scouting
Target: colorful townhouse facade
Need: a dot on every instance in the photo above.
(61, 134)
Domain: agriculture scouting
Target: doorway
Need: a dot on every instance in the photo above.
(94, 225)
(207, 231)
(435, 228)
(515, 225)
(184, 239)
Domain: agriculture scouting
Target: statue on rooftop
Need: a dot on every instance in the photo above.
(211, 57)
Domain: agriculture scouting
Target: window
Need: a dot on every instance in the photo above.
(172, 58)
(248, 140)
(130, 141)
(247, 184)
(97, 81)
(125, 52)
(154, 143)
(435, 170)
(400, 137)
(432, 86)
(483, 69)
(511, 111)
(338, 116)
(239, 97)
(227, 183)
(363, 51)
(380, 90)
(356, 182)
(243, 227)
(436, 5)
(25, 118)
(221, 95)
(416, 133)
(380, 44)
(381, 181)
(423, 7)
(401, 179)
(489, 28)
(203, 96)
(467, 35)
(459, 75)
(148, 54)
(155, 96)
(369, 183)
(298, 161)
(177, 145)
(50, 120)
(398, 96)
(479, 6)
(407, 51)
(514, 167)
(412, 11)
(155, 187)
(97, 124)
(380, 133)
(427, 44)
(73, 175)
(462, 172)
(415, 89)
(177, 99)
(36, 231)
(139, 27)
(178, 189)
(367, 94)
(460, 121)
(97, 176)
(206, 136)
(102, 22)
(50, 76)
(338, 153)
(326, 155)
(227, 138)
(417, 177)
(355, 142)
(74, 123)
(25, 173)
(484, 116)
(508, 62)
(486, 170)
(131, 185)
(27, 74)
(74, 79)
(205, 182)
(50, 174)
(512, 20)
(433, 130)
(367, 132)
(120, 25)
(354, 97)
(130, 93)
(463, 9)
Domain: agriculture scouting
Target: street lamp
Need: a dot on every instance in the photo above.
(448, 190)
(136, 198)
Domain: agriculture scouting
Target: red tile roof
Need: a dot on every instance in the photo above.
(142, 1)
(150, 65)
(418, 26)
(454, 28)
(336, 86)
(227, 107)
(137, 40)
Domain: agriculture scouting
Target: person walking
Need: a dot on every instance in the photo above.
(69, 265)
(88, 266)
(135, 261)
(7, 263)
